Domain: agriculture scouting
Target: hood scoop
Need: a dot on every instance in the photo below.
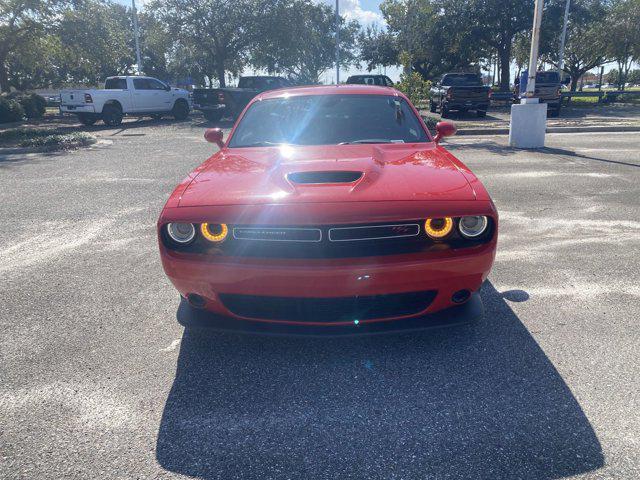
(330, 177)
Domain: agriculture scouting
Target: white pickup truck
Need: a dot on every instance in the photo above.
(125, 95)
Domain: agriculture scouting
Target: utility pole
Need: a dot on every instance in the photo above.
(563, 38)
(136, 34)
(337, 42)
(533, 54)
(529, 118)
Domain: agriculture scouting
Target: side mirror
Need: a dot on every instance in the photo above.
(214, 135)
(444, 129)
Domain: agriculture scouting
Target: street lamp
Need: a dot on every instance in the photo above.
(563, 38)
(136, 35)
(529, 118)
(337, 42)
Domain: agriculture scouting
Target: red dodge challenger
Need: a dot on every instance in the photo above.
(330, 208)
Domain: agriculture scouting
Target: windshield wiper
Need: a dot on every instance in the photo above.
(371, 140)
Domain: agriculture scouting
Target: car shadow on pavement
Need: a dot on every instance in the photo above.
(478, 401)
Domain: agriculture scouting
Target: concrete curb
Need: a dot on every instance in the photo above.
(505, 131)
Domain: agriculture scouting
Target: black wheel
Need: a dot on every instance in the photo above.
(212, 115)
(432, 107)
(87, 119)
(112, 115)
(180, 110)
(555, 112)
(481, 113)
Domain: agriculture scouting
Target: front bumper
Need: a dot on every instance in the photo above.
(469, 312)
(441, 272)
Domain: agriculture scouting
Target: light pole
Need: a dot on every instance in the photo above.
(337, 42)
(529, 118)
(136, 35)
(533, 54)
(563, 38)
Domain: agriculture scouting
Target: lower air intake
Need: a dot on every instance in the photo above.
(332, 309)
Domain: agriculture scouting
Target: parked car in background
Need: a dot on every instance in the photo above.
(548, 90)
(381, 80)
(217, 103)
(125, 95)
(460, 92)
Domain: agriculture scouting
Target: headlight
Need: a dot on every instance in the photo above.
(181, 233)
(438, 227)
(471, 227)
(214, 232)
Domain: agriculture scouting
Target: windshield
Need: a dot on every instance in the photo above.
(462, 80)
(328, 120)
(547, 77)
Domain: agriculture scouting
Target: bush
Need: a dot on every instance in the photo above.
(431, 121)
(34, 105)
(414, 87)
(10, 110)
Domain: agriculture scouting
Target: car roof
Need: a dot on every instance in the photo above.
(364, 75)
(343, 89)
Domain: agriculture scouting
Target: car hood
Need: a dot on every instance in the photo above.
(340, 173)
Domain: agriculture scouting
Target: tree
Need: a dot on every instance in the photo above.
(634, 77)
(297, 39)
(377, 48)
(97, 41)
(437, 35)
(221, 31)
(496, 23)
(585, 46)
(622, 25)
(21, 23)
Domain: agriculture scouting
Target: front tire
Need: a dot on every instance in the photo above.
(112, 115)
(481, 113)
(180, 110)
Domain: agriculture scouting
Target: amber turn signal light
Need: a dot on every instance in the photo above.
(438, 227)
(214, 232)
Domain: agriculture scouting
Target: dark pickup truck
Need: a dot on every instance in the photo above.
(548, 90)
(461, 92)
(217, 103)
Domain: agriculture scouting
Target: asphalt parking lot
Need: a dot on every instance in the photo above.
(98, 380)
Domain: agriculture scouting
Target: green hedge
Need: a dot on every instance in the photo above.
(10, 110)
(34, 105)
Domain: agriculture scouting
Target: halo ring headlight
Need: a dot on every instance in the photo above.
(214, 232)
(438, 227)
(473, 226)
(181, 233)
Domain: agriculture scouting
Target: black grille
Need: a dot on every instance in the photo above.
(333, 309)
(338, 176)
(377, 232)
(352, 241)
